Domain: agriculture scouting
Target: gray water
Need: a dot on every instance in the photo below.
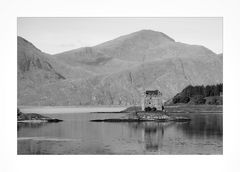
(77, 135)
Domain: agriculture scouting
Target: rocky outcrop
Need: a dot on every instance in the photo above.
(34, 117)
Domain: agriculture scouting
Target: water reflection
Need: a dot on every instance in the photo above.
(200, 127)
(22, 125)
(152, 133)
(76, 135)
(203, 126)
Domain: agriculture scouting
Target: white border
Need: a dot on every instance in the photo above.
(125, 8)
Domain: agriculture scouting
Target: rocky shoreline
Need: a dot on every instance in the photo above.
(34, 118)
(142, 116)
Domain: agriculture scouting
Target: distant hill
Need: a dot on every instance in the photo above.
(116, 71)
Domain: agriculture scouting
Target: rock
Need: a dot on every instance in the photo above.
(54, 120)
(34, 117)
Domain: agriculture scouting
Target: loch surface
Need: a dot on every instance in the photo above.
(77, 135)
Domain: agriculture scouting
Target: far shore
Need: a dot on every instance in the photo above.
(117, 109)
(69, 109)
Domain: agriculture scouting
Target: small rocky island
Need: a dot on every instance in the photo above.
(34, 117)
(143, 116)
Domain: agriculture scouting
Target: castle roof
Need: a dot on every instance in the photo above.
(153, 92)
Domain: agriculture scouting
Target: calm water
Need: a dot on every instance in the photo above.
(76, 135)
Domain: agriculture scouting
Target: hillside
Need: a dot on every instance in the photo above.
(210, 94)
(116, 71)
(34, 67)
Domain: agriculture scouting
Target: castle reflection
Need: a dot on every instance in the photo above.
(152, 134)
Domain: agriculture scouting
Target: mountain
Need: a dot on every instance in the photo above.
(115, 55)
(133, 47)
(34, 64)
(115, 72)
(34, 69)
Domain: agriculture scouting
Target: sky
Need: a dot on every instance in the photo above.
(56, 35)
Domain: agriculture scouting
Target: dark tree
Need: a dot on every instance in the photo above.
(197, 94)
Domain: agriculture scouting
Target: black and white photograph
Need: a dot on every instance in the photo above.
(120, 86)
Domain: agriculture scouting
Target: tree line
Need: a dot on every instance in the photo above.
(200, 94)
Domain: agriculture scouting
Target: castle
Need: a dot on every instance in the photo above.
(152, 100)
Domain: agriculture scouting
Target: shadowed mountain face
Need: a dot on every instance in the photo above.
(114, 72)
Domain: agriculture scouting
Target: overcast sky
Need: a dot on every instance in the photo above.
(55, 35)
